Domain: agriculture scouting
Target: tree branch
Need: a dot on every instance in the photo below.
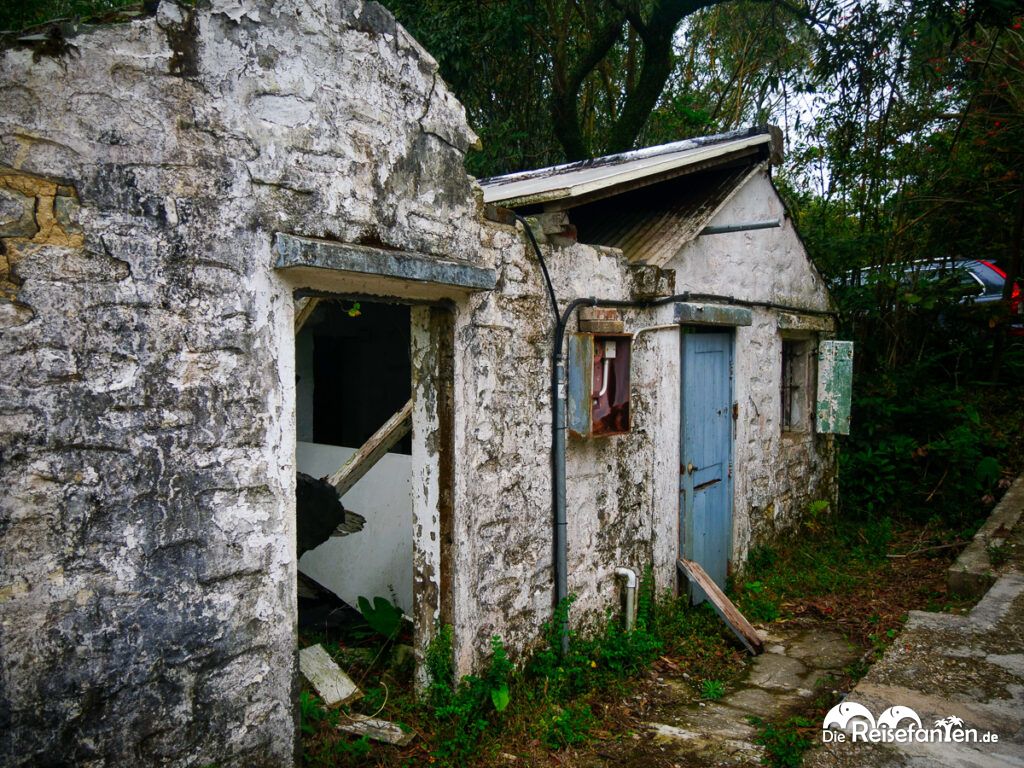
(567, 82)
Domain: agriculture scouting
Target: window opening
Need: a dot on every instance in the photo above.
(796, 386)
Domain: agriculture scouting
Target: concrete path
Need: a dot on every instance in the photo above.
(780, 682)
(970, 667)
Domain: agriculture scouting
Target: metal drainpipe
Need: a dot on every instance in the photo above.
(725, 229)
(561, 542)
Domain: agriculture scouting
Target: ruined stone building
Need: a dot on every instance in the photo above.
(175, 189)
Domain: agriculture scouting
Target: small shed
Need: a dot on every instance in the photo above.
(728, 328)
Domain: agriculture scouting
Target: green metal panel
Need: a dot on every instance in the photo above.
(835, 386)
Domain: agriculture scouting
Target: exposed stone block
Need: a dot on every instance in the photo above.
(17, 214)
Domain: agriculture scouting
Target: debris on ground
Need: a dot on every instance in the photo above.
(330, 682)
(378, 730)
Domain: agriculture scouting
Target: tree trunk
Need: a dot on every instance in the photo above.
(566, 82)
(654, 72)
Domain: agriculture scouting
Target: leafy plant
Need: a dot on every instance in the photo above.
(359, 748)
(881, 641)
(592, 661)
(311, 712)
(384, 617)
(784, 743)
(568, 725)
(998, 554)
(712, 689)
(464, 712)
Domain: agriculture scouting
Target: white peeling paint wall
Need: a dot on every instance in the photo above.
(376, 561)
(623, 503)
(618, 487)
(756, 265)
(147, 413)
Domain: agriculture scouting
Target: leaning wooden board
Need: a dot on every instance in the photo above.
(723, 605)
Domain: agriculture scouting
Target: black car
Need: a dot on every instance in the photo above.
(980, 282)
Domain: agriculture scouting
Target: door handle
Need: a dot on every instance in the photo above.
(690, 469)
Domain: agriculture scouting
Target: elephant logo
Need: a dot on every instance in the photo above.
(841, 714)
(892, 717)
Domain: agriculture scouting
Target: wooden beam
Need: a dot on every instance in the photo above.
(304, 308)
(360, 462)
(723, 605)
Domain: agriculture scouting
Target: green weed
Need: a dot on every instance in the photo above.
(712, 689)
(881, 641)
(595, 661)
(784, 743)
(998, 554)
(312, 713)
(834, 558)
(569, 725)
(466, 721)
(464, 712)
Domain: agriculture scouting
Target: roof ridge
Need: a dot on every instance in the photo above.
(633, 154)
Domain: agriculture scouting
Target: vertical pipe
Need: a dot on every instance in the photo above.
(558, 489)
(630, 584)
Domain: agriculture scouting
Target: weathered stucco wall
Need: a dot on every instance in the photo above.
(147, 407)
(503, 550)
(147, 398)
(623, 501)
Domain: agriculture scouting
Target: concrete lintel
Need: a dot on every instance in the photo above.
(795, 322)
(712, 314)
(294, 252)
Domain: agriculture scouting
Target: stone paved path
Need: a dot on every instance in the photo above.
(941, 665)
(780, 681)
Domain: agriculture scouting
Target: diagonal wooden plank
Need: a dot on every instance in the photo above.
(723, 605)
(304, 309)
(360, 462)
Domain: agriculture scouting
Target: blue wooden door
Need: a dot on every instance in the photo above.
(705, 487)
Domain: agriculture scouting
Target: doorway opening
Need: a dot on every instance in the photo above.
(353, 373)
(374, 460)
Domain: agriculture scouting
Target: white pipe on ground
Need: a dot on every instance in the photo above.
(630, 576)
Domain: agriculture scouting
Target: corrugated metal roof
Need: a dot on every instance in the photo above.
(590, 177)
(652, 228)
